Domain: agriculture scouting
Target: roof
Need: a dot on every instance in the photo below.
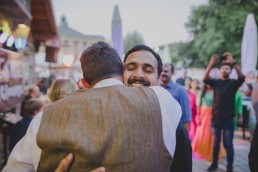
(43, 24)
(18, 12)
(65, 30)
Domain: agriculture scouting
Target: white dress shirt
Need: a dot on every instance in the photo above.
(26, 154)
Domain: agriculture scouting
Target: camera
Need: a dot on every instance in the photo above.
(221, 58)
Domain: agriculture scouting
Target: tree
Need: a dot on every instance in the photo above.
(216, 28)
(131, 40)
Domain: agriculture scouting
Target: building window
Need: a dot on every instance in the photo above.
(66, 44)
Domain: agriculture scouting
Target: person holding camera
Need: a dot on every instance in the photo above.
(223, 108)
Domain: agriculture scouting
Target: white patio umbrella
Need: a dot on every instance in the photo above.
(117, 37)
(249, 45)
(249, 57)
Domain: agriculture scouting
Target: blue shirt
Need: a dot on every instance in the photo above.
(182, 97)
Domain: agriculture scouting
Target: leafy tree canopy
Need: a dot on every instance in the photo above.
(216, 28)
(132, 39)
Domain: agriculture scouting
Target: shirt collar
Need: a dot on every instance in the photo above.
(108, 82)
(170, 84)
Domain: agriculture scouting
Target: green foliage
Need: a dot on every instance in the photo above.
(217, 28)
(131, 40)
(176, 55)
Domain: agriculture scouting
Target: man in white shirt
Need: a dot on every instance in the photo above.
(142, 67)
(26, 154)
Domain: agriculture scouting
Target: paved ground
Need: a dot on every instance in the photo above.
(240, 160)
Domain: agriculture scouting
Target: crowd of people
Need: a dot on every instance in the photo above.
(132, 116)
(222, 105)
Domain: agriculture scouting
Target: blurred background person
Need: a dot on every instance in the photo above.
(61, 88)
(181, 79)
(253, 165)
(33, 92)
(223, 109)
(247, 88)
(42, 84)
(31, 108)
(239, 109)
(202, 143)
(19, 155)
(194, 86)
(252, 117)
(193, 106)
(178, 92)
(248, 85)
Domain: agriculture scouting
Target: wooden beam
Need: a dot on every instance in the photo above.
(43, 23)
(51, 15)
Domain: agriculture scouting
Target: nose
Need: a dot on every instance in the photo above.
(139, 73)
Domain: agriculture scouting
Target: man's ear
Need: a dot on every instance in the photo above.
(85, 83)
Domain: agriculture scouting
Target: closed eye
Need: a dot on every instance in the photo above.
(149, 69)
(130, 67)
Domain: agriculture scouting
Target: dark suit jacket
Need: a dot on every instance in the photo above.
(183, 154)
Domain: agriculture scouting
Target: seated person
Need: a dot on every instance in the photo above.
(17, 131)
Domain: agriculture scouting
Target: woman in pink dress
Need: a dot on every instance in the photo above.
(192, 92)
(202, 143)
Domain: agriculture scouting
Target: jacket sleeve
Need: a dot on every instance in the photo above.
(182, 161)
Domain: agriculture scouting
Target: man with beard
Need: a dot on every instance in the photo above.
(121, 128)
(223, 109)
(142, 68)
(178, 92)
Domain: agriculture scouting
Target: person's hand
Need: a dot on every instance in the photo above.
(214, 59)
(67, 161)
(229, 57)
(100, 169)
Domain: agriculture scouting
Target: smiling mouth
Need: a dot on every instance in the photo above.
(137, 84)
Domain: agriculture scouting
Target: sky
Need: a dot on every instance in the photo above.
(158, 21)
